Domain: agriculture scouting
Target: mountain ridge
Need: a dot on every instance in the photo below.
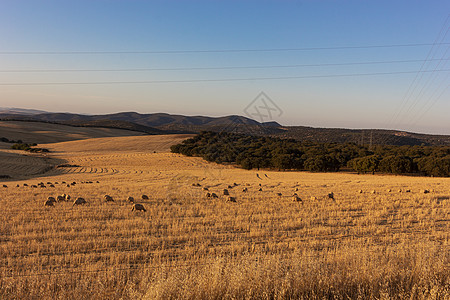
(165, 123)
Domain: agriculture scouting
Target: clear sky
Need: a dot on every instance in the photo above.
(353, 64)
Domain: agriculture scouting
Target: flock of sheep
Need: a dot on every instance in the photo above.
(229, 198)
(79, 200)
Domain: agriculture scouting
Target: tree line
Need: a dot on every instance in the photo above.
(255, 152)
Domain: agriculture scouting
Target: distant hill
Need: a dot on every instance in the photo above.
(163, 123)
(20, 111)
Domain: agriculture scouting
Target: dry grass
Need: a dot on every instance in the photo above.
(382, 245)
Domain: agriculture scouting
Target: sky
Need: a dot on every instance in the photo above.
(346, 64)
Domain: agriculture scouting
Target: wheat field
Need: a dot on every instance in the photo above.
(381, 237)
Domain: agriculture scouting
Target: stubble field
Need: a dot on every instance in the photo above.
(384, 242)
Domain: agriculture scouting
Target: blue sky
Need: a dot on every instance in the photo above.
(63, 31)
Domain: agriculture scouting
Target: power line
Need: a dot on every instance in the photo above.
(215, 68)
(415, 82)
(215, 80)
(213, 50)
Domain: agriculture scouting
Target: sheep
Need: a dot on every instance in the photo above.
(51, 199)
(138, 206)
(235, 184)
(49, 203)
(51, 185)
(408, 191)
(425, 191)
(34, 186)
(260, 190)
(79, 201)
(313, 198)
(130, 199)
(360, 191)
(296, 198)
(225, 192)
(108, 198)
(244, 190)
(214, 195)
(144, 197)
(61, 197)
(230, 187)
(331, 195)
(68, 185)
(231, 199)
(17, 185)
(205, 189)
(374, 192)
(5, 186)
(388, 190)
(279, 194)
(208, 195)
(25, 184)
(67, 197)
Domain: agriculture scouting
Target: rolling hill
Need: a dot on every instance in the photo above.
(163, 123)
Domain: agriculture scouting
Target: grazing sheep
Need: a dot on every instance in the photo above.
(296, 198)
(25, 184)
(79, 201)
(244, 190)
(144, 197)
(230, 187)
(214, 195)
(205, 189)
(360, 191)
(208, 195)
(61, 198)
(231, 199)
(260, 190)
(225, 192)
(279, 194)
(313, 198)
(49, 182)
(389, 190)
(296, 189)
(408, 191)
(331, 195)
(68, 185)
(5, 186)
(49, 203)
(51, 185)
(130, 199)
(108, 198)
(51, 199)
(63, 182)
(399, 190)
(67, 197)
(425, 191)
(374, 192)
(43, 186)
(138, 206)
(17, 185)
(235, 184)
(34, 186)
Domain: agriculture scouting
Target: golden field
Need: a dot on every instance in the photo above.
(382, 243)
